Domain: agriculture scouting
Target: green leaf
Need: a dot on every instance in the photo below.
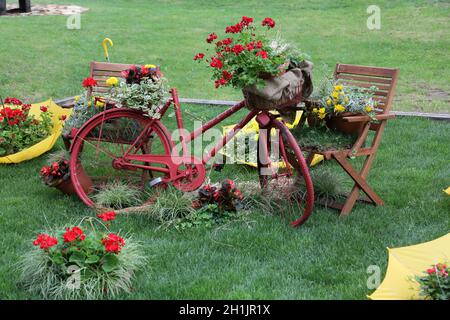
(92, 259)
(110, 262)
(78, 257)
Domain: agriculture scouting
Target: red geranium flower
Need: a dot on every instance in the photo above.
(113, 243)
(199, 56)
(73, 234)
(234, 29)
(44, 108)
(89, 82)
(14, 101)
(227, 41)
(211, 37)
(226, 75)
(262, 54)
(269, 22)
(216, 63)
(220, 82)
(44, 241)
(26, 107)
(63, 117)
(238, 48)
(107, 216)
(1, 118)
(246, 21)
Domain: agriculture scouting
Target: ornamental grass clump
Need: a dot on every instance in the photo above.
(117, 195)
(19, 129)
(81, 262)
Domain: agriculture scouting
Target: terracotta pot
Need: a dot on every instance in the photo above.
(67, 187)
(337, 123)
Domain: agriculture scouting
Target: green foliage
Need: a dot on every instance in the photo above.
(435, 285)
(117, 195)
(84, 109)
(322, 138)
(207, 216)
(80, 269)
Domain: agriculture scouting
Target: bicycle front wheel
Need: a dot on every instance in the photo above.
(284, 174)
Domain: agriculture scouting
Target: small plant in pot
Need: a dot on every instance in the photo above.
(335, 101)
(56, 174)
(269, 70)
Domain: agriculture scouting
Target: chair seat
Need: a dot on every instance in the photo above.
(323, 140)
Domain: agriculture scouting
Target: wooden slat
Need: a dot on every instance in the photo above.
(366, 85)
(363, 78)
(105, 66)
(99, 73)
(365, 70)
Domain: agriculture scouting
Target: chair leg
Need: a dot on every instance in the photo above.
(360, 183)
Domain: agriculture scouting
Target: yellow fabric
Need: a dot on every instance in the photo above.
(408, 262)
(447, 191)
(251, 129)
(46, 144)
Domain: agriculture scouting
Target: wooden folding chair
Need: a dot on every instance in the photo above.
(385, 79)
(101, 71)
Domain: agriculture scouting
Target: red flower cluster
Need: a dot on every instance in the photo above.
(44, 108)
(13, 116)
(107, 216)
(113, 243)
(226, 197)
(199, 56)
(216, 63)
(53, 170)
(244, 23)
(73, 234)
(211, 37)
(439, 269)
(269, 22)
(262, 54)
(136, 73)
(89, 82)
(44, 241)
(14, 101)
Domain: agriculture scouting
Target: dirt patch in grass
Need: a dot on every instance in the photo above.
(45, 10)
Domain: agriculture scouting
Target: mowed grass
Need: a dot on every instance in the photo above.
(260, 257)
(41, 58)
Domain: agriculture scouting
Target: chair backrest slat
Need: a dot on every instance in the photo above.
(101, 71)
(385, 79)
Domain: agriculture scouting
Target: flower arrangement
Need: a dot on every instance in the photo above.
(56, 172)
(81, 262)
(336, 99)
(435, 284)
(144, 89)
(19, 129)
(227, 197)
(246, 55)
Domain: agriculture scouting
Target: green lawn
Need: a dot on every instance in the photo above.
(260, 257)
(41, 58)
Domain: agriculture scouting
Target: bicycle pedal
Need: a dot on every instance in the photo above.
(154, 182)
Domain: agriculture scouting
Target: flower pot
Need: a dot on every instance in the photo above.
(336, 122)
(67, 187)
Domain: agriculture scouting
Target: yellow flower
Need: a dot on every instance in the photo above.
(150, 66)
(99, 104)
(339, 108)
(112, 82)
(338, 87)
(322, 110)
(368, 108)
(89, 103)
(315, 110)
(322, 115)
(328, 102)
(76, 98)
(335, 94)
(346, 99)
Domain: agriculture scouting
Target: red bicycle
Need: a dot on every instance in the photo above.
(125, 145)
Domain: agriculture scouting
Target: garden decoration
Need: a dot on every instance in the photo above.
(251, 132)
(28, 131)
(385, 79)
(127, 143)
(407, 264)
(86, 261)
(105, 47)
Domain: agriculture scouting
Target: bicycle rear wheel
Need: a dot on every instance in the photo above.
(104, 140)
(284, 173)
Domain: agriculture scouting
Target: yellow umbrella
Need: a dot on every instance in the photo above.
(46, 144)
(447, 191)
(405, 264)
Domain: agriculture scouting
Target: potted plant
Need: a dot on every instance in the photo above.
(19, 129)
(334, 101)
(435, 284)
(249, 59)
(56, 174)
